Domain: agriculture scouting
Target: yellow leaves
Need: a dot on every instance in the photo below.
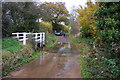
(86, 18)
(65, 28)
(93, 27)
(45, 26)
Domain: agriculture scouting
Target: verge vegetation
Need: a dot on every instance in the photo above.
(95, 63)
(102, 53)
(14, 54)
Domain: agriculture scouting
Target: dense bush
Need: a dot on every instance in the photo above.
(103, 60)
(108, 23)
(102, 67)
(95, 63)
(19, 17)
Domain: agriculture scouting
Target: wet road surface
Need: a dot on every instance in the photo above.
(63, 39)
(68, 67)
(62, 64)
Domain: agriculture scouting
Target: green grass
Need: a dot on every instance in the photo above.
(17, 64)
(24, 61)
(37, 54)
(82, 44)
(0, 44)
(83, 40)
(14, 54)
(84, 69)
(50, 40)
(10, 44)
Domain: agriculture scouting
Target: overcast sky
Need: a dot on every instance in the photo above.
(69, 3)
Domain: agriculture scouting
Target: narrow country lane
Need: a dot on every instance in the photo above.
(62, 64)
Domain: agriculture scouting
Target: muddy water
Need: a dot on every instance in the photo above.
(63, 64)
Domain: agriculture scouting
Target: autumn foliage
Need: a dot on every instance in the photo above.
(86, 19)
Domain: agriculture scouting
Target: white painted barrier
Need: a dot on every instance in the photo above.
(39, 37)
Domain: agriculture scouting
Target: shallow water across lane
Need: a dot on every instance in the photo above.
(60, 64)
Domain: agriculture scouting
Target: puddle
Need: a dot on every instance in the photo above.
(65, 49)
(52, 65)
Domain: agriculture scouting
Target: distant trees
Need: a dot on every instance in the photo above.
(22, 16)
(65, 28)
(45, 27)
(19, 17)
(74, 23)
(55, 13)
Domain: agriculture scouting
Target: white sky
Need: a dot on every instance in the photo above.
(69, 3)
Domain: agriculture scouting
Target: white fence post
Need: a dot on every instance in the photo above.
(43, 38)
(40, 38)
(24, 38)
(36, 36)
(17, 36)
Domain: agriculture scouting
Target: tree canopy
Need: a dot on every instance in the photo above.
(22, 16)
(19, 17)
(55, 13)
(86, 19)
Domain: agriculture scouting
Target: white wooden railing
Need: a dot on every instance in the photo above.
(39, 37)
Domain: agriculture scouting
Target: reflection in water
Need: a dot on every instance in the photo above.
(41, 59)
(62, 49)
(54, 57)
(66, 67)
(65, 49)
(69, 45)
(52, 65)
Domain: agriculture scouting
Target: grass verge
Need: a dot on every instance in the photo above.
(50, 40)
(83, 67)
(82, 44)
(93, 63)
(37, 54)
(14, 54)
